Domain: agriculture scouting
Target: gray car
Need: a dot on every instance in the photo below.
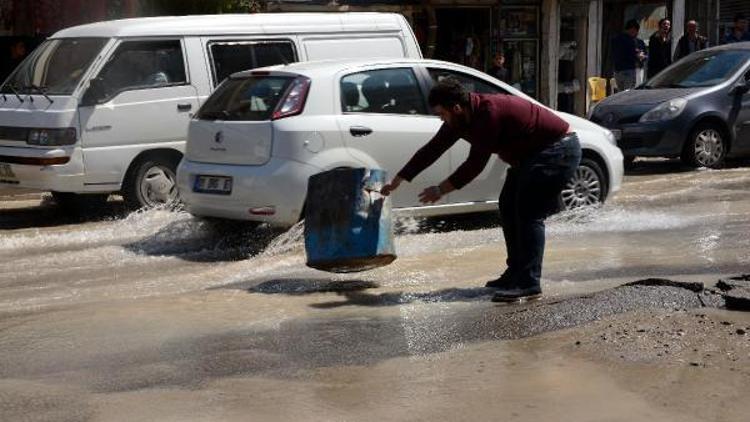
(697, 109)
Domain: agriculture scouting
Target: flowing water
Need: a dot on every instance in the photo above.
(98, 316)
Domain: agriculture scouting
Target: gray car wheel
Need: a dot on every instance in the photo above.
(706, 147)
(586, 188)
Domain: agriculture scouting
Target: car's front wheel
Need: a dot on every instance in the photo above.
(152, 182)
(586, 188)
(706, 147)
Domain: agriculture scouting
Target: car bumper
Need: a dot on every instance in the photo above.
(18, 172)
(616, 170)
(279, 186)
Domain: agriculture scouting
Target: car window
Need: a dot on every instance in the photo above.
(702, 69)
(143, 65)
(57, 66)
(389, 91)
(236, 56)
(471, 83)
(245, 99)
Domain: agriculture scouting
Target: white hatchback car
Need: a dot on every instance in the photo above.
(259, 137)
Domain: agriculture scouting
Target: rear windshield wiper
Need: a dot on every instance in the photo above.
(40, 89)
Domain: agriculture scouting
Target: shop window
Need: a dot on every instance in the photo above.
(236, 56)
(143, 65)
(471, 83)
(390, 91)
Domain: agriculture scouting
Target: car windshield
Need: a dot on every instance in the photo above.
(55, 67)
(701, 70)
(245, 99)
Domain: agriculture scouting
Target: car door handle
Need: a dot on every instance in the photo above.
(184, 107)
(360, 131)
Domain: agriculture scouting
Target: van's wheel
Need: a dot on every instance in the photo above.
(587, 187)
(152, 182)
(80, 203)
(706, 147)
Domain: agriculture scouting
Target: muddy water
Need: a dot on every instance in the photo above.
(157, 316)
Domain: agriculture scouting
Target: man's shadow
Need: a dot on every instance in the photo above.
(354, 292)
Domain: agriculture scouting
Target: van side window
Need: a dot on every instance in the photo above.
(230, 57)
(143, 65)
(471, 83)
(390, 91)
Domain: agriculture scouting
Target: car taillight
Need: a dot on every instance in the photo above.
(294, 101)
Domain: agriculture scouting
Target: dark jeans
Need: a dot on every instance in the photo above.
(531, 194)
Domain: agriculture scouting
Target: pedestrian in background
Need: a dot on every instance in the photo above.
(498, 69)
(690, 42)
(16, 54)
(543, 155)
(629, 55)
(660, 48)
(739, 30)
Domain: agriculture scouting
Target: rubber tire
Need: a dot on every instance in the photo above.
(603, 182)
(130, 192)
(688, 151)
(80, 203)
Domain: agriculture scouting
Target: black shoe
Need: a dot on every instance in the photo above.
(517, 294)
(505, 281)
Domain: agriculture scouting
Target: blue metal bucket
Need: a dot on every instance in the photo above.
(348, 224)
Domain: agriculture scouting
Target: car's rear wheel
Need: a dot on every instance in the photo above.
(706, 147)
(586, 188)
(152, 182)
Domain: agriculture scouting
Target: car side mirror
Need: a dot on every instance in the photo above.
(95, 92)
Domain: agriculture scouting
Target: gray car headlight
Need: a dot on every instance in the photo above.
(667, 110)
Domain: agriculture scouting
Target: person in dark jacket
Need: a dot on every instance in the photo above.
(498, 69)
(690, 42)
(660, 48)
(739, 30)
(628, 55)
(543, 155)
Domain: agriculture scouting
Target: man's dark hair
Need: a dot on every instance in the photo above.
(661, 21)
(738, 17)
(448, 93)
(632, 24)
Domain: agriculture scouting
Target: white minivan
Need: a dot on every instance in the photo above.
(104, 107)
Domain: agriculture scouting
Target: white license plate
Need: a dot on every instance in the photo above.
(617, 133)
(221, 185)
(6, 172)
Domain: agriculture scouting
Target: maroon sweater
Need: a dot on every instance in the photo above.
(509, 126)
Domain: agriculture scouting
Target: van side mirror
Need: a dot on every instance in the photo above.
(95, 92)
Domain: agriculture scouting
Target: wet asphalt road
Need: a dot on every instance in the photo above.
(156, 315)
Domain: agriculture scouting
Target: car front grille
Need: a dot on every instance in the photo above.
(10, 133)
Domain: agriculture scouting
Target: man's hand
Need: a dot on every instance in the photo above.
(430, 195)
(392, 186)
